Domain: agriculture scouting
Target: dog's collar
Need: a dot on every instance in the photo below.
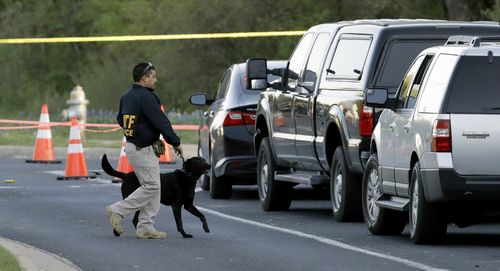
(187, 173)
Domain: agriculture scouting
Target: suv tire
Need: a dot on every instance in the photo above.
(380, 221)
(345, 190)
(273, 195)
(426, 222)
(205, 182)
(220, 187)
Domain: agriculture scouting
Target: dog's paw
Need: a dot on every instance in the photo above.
(116, 233)
(187, 235)
(205, 228)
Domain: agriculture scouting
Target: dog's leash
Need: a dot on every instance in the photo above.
(183, 161)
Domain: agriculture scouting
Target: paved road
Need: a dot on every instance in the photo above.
(67, 218)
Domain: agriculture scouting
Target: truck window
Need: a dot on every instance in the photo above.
(316, 58)
(437, 83)
(397, 58)
(297, 61)
(475, 88)
(349, 58)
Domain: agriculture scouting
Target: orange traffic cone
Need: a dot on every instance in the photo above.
(166, 158)
(123, 164)
(44, 150)
(75, 162)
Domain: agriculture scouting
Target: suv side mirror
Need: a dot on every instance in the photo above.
(256, 73)
(199, 99)
(376, 97)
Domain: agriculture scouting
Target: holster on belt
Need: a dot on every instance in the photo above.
(158, 147)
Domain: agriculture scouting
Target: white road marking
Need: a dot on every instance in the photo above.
(96, 180)
(8, 187)
(323, 240)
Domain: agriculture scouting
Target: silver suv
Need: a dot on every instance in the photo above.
(435, 152)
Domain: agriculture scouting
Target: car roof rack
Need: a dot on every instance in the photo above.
(473, 41)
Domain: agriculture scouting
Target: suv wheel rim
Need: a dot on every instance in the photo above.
(414, 206)
(372, 194)
(337, 190)
(264, 179)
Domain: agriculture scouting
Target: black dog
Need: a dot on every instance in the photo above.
(177, 189)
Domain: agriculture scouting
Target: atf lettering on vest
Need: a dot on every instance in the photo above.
(128, 121)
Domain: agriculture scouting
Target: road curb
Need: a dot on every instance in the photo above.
(34, 259)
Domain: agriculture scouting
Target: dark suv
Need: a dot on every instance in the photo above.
(314, 128)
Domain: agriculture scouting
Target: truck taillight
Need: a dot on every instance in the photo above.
(366, 121)
(239, 118)
(441, 136)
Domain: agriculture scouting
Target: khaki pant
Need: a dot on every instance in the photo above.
(147, 197)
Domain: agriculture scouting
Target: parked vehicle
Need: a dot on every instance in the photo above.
(226, 131)
(314, 129)
(435, 150)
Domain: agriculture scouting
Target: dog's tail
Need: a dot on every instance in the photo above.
(109, 169)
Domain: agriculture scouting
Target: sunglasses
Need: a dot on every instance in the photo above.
(149, 66)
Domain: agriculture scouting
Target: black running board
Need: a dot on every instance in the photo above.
(302, 178)
(393, 203)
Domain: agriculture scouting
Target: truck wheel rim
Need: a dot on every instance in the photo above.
(414, 206)
(264, 179)
(337, 190)
(372, 194)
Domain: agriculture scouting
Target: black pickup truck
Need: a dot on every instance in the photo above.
(313, 128)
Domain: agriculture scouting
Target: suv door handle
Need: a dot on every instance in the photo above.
(407, 127)
(392, 126)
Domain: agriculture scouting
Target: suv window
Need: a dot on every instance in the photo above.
(406, 85)
(399, 55)
(297, 61)
(411, 91)
(350, 55)
(437, 83)
(316, 58)
(476, 86)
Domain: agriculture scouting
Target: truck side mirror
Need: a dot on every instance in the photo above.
(376, 97)
(256, 73)
(198, 99)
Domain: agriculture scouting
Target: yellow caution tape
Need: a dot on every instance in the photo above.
(10, 181)
(152, 37)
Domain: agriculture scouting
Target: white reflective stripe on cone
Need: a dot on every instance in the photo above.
(44, 117)
(45, 134)
(74, 133)
(75, 148)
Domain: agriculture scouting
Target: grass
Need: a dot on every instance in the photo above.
(7, 261)
(60, 137)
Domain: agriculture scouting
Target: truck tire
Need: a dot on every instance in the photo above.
(345, 190)
(380, 221)
(273, 195)
(427, 225)
(220, 187)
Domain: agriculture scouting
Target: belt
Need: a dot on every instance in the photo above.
(139, 148)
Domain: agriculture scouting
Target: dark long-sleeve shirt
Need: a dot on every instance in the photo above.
(142, 120)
